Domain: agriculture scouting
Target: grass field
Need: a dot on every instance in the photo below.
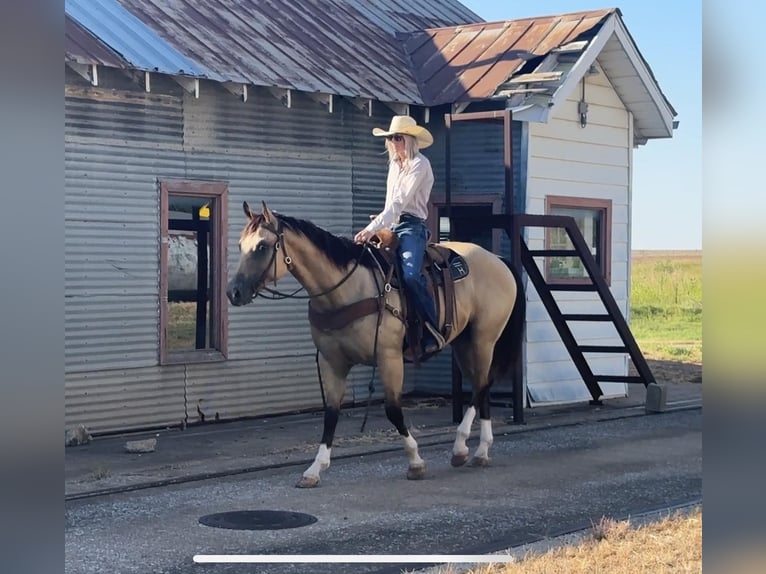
(669, 546)
(182, 319)
(666, 304)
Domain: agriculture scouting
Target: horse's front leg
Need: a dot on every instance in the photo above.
(392, 377)
(334, 383)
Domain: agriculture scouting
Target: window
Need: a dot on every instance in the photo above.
(192, 271)
(594, 219)
(464, 208)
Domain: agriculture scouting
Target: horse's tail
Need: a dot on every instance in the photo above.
(508, 348)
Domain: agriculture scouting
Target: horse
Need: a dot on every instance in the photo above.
(336, 272)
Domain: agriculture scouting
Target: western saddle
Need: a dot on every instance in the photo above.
(442, 268)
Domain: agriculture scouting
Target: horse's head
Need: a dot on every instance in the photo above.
(259, 261)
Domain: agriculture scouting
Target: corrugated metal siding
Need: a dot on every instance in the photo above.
(125, 399)
(112, 272)
(112, 215)
(245, 388)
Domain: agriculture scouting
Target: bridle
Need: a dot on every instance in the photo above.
(288, 261)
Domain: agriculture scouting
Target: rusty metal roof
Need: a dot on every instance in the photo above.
(82, 47)
(423, 52)
(469, 63)
(343, 47)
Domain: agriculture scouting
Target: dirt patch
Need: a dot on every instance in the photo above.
(673, 371)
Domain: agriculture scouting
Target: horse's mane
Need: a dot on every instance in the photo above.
(339, 250)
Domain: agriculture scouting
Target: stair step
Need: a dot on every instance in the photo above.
(602, 349)
(585, 317)
(619, 379)
(572, 287)
(553, 253)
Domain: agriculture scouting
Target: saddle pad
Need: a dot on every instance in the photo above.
(458, 268)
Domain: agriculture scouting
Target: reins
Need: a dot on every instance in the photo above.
(278, 295)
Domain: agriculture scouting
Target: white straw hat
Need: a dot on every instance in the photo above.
(406, 125)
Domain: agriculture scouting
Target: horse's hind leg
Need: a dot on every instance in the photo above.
(392, 377)
(481, 455)
(474, 359)
(334, 384)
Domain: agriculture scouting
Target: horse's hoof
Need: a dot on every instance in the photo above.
(459, 459)
(416, 473)
(479, 462)
(307, 482)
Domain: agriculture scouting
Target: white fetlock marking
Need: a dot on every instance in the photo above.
(464, 431)
(321, 462)
(411, 448)
(485, 440)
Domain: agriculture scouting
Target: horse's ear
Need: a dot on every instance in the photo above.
(246, 208)
(267, 215)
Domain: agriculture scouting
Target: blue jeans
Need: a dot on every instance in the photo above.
(413, 236)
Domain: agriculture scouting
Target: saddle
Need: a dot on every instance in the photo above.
(442, 267)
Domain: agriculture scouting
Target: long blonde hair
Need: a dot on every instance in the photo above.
(411, 149)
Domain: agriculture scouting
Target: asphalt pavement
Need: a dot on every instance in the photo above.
(561, 471)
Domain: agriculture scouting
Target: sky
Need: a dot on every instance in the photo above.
(667, 173)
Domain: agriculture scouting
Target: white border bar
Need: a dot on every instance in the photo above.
(352, 558)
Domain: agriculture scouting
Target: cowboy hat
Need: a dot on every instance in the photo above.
(406, 125)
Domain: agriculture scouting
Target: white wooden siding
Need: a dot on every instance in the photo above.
(592, 162)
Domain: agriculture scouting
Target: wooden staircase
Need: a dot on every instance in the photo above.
(562, 321)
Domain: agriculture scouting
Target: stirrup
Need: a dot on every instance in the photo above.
(438, 337)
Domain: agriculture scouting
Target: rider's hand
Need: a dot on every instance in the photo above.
(363, 236)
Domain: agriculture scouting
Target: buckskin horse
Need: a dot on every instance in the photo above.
(338, 274)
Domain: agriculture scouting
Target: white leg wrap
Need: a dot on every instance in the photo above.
(321, 462)
(464, 431)
(411, 448)
(485, 440)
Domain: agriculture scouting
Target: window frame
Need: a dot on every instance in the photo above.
(605, 244)
(439, 200)
(218, 193)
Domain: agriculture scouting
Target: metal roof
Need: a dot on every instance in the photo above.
(82, 47)
(423, 52)
(468, 63)
(534, 63)
(127, 35)
(343, 47)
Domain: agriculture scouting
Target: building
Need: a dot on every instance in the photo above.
(177, 112)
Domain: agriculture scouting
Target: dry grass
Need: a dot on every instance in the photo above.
(671, 545)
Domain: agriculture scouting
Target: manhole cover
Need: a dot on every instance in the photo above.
(258, 520)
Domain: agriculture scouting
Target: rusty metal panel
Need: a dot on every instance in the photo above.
(407, 15)
(330, 46)
(467, 63)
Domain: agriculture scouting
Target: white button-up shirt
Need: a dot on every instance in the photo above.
(407, 190)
